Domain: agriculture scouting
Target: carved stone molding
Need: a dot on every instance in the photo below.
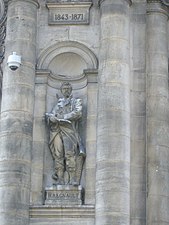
(67, 46)
(153, 1)
(101, 1)
(54, 81)
(165, 2)
(84, 211)
(157, 6)
(31, 1)
(61, 1)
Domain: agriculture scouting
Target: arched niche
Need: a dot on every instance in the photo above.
(67, 64)
(73, 62)
(67, 59)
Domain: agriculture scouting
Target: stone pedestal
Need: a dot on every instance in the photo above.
(61, 195)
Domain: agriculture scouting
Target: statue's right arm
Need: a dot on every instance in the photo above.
(50, 118)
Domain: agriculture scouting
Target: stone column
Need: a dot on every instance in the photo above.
(17, 114)
(157, 115)
(113, 128)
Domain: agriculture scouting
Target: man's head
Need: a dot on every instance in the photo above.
(66, 89)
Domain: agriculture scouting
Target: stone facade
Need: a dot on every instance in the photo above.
(115, 55)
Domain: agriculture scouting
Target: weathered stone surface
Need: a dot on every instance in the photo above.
(113, 124)
(17, 115)
(83, 214)
(157, 116)
(125, 126)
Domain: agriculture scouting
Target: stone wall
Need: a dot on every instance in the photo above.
(115, 55)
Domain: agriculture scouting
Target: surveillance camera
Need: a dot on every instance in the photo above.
(14, 61)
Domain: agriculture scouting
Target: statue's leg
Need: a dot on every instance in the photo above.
(70, 159)
(71, 167)
(59, 160)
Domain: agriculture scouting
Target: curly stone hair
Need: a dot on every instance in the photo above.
(66, 84)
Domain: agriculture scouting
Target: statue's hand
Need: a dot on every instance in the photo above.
(53, 119)
(48, 115)
(59, 116)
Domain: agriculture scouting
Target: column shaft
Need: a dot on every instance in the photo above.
(113, 128)
(17, 114)
(157, 116)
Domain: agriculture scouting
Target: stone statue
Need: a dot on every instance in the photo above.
(65, 142)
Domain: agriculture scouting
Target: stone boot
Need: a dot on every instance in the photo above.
(72, 177)
(59, 177)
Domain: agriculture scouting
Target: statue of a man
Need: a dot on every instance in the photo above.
(65, 143)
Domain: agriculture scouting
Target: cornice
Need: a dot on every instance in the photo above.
(157, 6)
(165, 2)
(48, 211)
(128, 1)
(153, 1)
(68, 1)
(35, 2)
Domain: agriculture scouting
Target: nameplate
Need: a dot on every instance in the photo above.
(69, 13)
(64, 195)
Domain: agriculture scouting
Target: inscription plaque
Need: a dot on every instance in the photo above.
(68, 13)
(64, 195)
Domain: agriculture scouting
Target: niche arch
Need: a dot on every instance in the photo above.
(70, 56)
